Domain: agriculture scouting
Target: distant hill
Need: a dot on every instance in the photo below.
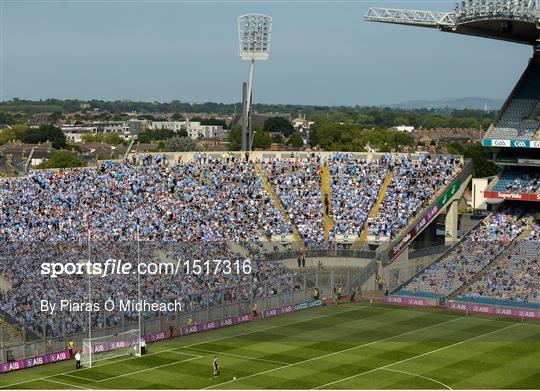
(452, 103)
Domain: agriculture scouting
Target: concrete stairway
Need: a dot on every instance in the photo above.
(326, 191)
(237, 248)
(277, 202)
(375, 209)
(9, 333)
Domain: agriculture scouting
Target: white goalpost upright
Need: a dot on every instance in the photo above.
(110, 346)
(89, 352)
(140, 314)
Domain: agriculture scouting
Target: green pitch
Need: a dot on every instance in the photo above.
(344, 347)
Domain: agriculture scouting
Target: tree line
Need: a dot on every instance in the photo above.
(16, 110)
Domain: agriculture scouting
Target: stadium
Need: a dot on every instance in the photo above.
(296, 270)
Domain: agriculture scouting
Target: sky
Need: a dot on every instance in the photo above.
(322, 53)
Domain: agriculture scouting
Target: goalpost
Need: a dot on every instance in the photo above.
(120, 344)
(110, 346)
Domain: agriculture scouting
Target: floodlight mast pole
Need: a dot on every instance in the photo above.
(254, 31)
(249, 133)
(244, 146)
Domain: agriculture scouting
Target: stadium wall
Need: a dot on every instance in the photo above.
(264, 155)
(328, 262)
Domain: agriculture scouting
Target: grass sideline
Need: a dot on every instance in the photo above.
(350, 346)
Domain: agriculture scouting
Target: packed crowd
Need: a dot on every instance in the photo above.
(184, 209)
(298, 184)
(215, 199)
(195, 292)
(202, 200)
(525, 184)
(472, 254)
(516, 277)
(355, 188)
(413, 184)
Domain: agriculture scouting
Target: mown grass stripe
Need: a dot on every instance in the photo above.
(414, 357)
(334, 353)
(321, 332)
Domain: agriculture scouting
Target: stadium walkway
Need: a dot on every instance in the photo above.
(277, 202)
(375, 209)
(326, 191)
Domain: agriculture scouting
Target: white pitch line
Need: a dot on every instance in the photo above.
(414, 357)
(333, 353)
(276, 326)
(73, 376)
(218, 339)
(195, 344)
(148, 369)
(68, 373)
(193, 356)
(240, 356)
(417, 375)
(67, 384)
(470, 315)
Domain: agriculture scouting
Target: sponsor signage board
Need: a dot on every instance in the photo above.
(495, 310)
(510, 143)
(34, 361)
(406, 300)
(504, 195)
(157, 336)
(215, 324)
(308, 304)
(425, 220)
(278, 311)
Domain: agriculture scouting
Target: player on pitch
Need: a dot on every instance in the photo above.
(216, 366)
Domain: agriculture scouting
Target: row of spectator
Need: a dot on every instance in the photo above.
(516, 277)
(480, 247)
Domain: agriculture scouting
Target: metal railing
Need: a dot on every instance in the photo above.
(322, 253)
(426, 252)
(364, 274)
(45, 342)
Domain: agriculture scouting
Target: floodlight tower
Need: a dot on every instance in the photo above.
(254, 31)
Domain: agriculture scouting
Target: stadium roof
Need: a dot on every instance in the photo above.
(508, 20)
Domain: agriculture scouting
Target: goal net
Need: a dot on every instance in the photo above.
(110, 346)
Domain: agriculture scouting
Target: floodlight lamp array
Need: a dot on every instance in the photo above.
(254, 32)
(470, 10)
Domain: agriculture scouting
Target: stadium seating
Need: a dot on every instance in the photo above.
(413, 185)
(189, 210)
(298, 184)
(518, 180)
(519, 121)
(355, 187)
(458, 267)
(515, 278)
(195, 291)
